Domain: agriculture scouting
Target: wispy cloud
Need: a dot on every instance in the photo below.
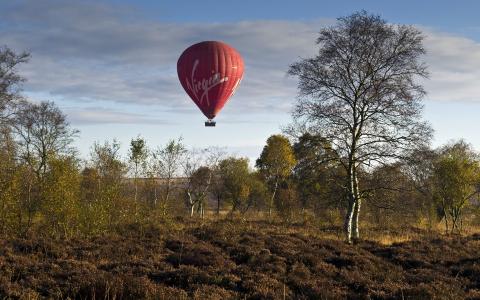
(86, 51)
(99, 115)
(454, 64)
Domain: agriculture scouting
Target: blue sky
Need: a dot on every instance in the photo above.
(454, 16)
(111, 65)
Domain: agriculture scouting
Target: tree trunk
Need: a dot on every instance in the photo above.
(461, 221)
(136, 189)
(270, 206)
(136, 192)
(356, 211)
(191, 203)
(351, 219)
(29, 210)
(452, 217)
(192, 209)
(164, 208)
(155, 196)
(167, 192)
(355, 225)
(446, 220)
(455, 214)
(348, 221)
(136, 181)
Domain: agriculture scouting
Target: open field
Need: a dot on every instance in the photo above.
(239, 260)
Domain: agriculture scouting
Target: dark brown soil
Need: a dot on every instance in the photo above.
(227, 260)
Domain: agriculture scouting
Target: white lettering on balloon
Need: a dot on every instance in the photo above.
(235, 86)
(202, 87)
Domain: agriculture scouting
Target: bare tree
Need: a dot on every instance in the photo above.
(419, 167)
(360, 93)
(10, 80)
(167, 166)
(105, 158)
(42, 130)
(200, 168)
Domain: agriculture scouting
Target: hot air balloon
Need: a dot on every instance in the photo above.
(210, 72)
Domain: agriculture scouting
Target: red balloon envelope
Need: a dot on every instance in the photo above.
(210, 72)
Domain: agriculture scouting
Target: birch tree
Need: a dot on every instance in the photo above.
(201, 167)
(361, 93)
(167, 163)
(137, 156)
(191, 163)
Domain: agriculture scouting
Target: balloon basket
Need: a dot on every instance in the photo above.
(210, 123)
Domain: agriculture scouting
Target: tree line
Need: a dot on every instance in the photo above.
(357, 151)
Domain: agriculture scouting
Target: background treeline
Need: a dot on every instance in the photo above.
(300, 177)
(45, 186)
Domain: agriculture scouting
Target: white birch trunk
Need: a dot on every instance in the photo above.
(356, 211)
(348, 222)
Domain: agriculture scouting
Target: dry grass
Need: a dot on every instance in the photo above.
(242, 260)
